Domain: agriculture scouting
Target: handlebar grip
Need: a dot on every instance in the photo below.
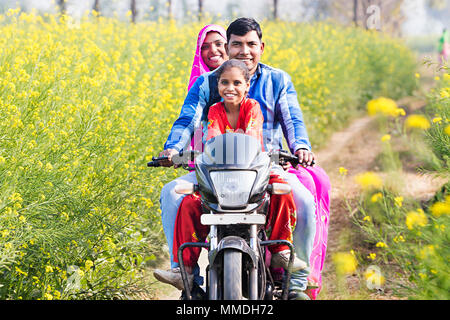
(153, 164)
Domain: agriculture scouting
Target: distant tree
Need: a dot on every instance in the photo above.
(62, 6)
(96, 6)
(386, 13)
(275, 9)
(133, 11)
(169, 9)
(200, 9)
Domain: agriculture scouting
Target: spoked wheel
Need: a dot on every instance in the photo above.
(232, 275)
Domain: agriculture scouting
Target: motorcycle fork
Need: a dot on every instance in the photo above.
(253, 285)
(213, 278)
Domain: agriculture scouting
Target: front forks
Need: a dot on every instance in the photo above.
(213, 278)
(253, 275)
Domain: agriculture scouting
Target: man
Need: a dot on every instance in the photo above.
(274, 91)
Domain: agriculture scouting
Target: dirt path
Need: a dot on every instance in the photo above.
(356, 149)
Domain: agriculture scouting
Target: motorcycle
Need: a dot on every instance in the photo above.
(233, 181)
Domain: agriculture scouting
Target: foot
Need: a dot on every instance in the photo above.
(312, 285)
(298, 295)
(197, 293)
(173, 277)
(281, 260)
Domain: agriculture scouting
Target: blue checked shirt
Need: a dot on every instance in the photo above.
(274, 91)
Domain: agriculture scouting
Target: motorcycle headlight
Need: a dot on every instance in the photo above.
(233, 187)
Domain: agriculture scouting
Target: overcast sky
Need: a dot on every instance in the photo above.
(419, 21)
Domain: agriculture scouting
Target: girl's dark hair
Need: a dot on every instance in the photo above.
(242, 26)
(234, 63)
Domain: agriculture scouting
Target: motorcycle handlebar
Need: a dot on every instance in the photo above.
(156, 161)
(183, 157)
(282, 155)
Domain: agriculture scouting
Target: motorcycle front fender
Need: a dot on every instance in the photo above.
(235, 243)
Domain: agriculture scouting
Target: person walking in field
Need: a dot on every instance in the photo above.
(444, 47)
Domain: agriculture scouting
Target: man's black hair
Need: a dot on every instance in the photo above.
(242, 26)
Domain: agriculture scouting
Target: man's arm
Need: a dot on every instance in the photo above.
(292, 123)
(188, 120)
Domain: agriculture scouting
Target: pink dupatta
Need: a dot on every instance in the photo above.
(199, 67)
(318, 183)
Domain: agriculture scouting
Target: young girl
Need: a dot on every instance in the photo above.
(236, 113)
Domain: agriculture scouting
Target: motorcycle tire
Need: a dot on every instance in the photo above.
(232, 275)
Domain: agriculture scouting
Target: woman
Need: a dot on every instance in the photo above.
(210, 52)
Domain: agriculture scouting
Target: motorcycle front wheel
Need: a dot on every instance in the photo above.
(232, 275)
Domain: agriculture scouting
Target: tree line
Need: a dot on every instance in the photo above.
(382, 15)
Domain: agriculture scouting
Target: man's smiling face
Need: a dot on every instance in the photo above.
(247, 48)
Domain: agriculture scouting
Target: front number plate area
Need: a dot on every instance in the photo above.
(232, 218)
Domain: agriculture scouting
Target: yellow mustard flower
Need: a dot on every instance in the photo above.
(376, 197)
(417, 121)
(398, 201)
(384, 106)
(343, 171)
(447, 130)
(369, 180)
(345, 263)
(416, 218)
(399, 238)
(440, 208)
(381, 244)
(372, 256)
(374, 277)
(437, 119)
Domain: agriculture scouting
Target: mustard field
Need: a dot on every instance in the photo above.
(83, 107)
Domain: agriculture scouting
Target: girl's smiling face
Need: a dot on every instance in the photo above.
(232, 86)
(213, 50)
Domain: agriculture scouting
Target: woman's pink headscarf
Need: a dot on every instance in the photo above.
(199, 67)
